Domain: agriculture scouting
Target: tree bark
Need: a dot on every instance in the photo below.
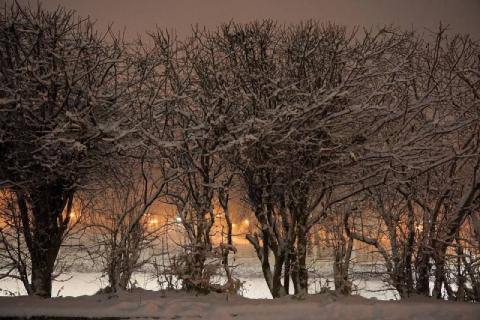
(44, 226)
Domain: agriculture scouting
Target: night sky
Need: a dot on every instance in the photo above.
(139, 16)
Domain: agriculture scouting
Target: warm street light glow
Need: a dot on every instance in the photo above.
(153, 222)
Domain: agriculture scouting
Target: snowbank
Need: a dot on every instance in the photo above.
(177, 305)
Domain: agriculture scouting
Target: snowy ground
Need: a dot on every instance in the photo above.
(80, 283)
(78, 299)
(174, 305)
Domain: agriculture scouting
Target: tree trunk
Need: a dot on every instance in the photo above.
(278, 290)
(439, 272)
(301, 285)
(44, 233)
(302, 262)
(286, 274)
(45, 247)
(273, 279)
(42, 270)
(341, 265)
(423, 272)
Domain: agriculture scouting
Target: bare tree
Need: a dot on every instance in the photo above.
(123, 224)
(190, 112)
(306, 94)
(432, 184)
(59, 89)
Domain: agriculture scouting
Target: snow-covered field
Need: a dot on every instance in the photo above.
(86, 281)
(175, 305)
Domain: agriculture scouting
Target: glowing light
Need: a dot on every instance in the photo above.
(178, 219)
(246, 222)
(234, 225)
(153, 222)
